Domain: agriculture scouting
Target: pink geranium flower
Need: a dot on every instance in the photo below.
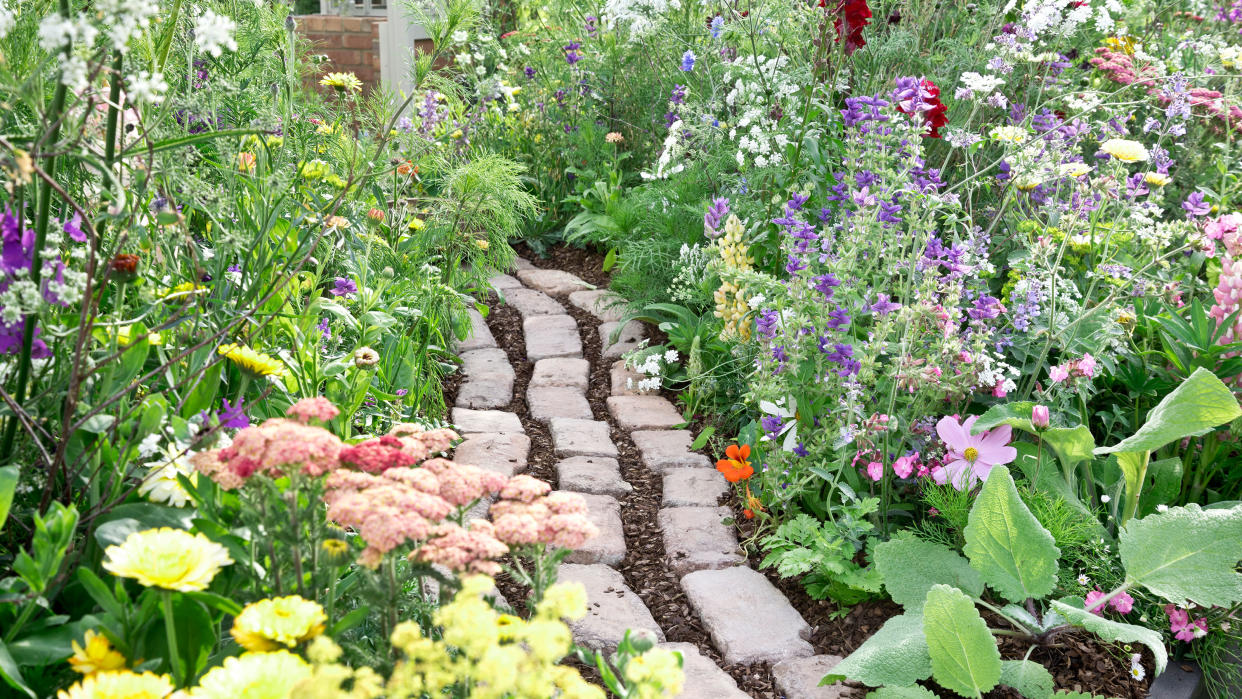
(970, 457)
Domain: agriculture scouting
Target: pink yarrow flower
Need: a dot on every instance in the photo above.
(970, 457)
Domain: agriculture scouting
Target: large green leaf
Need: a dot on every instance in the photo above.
(915, 692)
(1013, 414)
(1013, 553)
(11, 674)
(1031, 679)
(964, 657)
(1187, 553)
(8, 486)
(1074, 611)
(910, 566)
(1195, 407)
(1071, 444)
(895, 655)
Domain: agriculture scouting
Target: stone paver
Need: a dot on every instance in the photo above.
(573, 437)
(569, 372)
(490, 360)
(607, 547)
(522, 263)
(480, 336)
(666, 449)
(694, 539)
(494, 421)
(489, 379)
(593, 474)
(644, 412)
(530, 303)
(703, 679)
(601, 303)
(628, 339)
(551, 336)
(611, 607)
(693, 487)
(547, 402)
(551, 281)
(798, 678)
(624, 380)
(504, 281)
(730, 600)
(505, 454)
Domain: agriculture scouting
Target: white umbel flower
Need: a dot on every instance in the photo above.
(213, 33)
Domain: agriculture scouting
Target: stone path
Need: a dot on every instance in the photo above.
(749, 620)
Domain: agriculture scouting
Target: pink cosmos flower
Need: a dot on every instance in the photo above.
(970, 457)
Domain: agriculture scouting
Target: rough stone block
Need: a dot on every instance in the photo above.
(730, 600)
(551, 336)
(607, 547)
(561, 371)
(547, 402)
(704, 679)
(644, 412)
(611, 608)
(798, 678)
(530, 303)
(601, 303)
(628, 339)
(480, 336)
(693, 487)
(501, 282)
(522, 263)
(694, 539)
(592, 474)
(551, 281)
(665, 449)
(505, 454)
(494, 421)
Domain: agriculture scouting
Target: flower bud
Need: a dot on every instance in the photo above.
(365, 357)
(1039, 417)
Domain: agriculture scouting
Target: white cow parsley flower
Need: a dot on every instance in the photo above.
(213, 33)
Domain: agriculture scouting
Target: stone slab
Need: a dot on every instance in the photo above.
(494, 421)
(1184, 680)
(601, 303)
(504, 281)
(489, 360)
(693, 487)
(569, 372)
(592, 474)
(798, 678)
(551, 281)
(573, 437)
(644, 412)
(489, 379)
(551, 336)
(694, 539)
(530, 303)
(607, 547)
(505, 454)
(628, 339)
(730, 600)
(612, 608)
(624, 380)
(547, 402)
(704, 679)
(662, 450)
(521, 263)
(480, 336)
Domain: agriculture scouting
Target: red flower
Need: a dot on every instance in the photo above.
(935, 113)
(852, 16)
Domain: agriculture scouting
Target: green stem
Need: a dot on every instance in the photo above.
(170, 630)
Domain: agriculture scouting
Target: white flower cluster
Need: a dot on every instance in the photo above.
(651, 367)
(639, 17)
(673, 147)
(8, 20)
(125, 19)
(213, 33)
(692, 263)
(759, 137)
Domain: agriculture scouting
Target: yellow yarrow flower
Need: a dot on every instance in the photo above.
(253, 676)
(252, 362)
(1125, 150)
(171, 559)
(283, 621)
(121, 684)
(342, 82)
(563, 601)
(657, 673)
(95, 655)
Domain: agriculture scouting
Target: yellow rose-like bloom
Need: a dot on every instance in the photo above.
(97, 655)
(167, 558)
(1157, 179)
(268, 624)
(248, 360)
(1124, 150)
(482, 244)
(342, 82)
(121, 684)
(253, 676)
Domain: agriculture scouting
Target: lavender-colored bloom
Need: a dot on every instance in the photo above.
(530, 72)
(888, 212)
(794, 265)
(591, 29)
(838, 318)
(344, 287)
(715, 216)
(717, 26)
(825, 284)
(985, 307)
(401, 391)
(765, 323)
(883, 305)
(679, 94)
(74, 228)
(772, 424)
(800, 449)
(571, 52)
(323, 327)
(1136, 185)
(687, 61)
(1195, 206)
(795, 202)
(233, 416)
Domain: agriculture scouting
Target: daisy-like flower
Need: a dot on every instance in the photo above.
(257, 364)
(1125, 150)
(735, 466)
(970, 457)
(96, 654)
(1083, 579)
(1137, 672)
(268, 624)
(253, 676)
(1010, 134)
(342, 82)
(167, 558)
(121, 684)
(1157, 179)
(161, 483)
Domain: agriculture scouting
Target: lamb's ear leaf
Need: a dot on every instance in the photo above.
(914, 692)
(1013, 414)
(1012, 551)
(1031, 679)
(1075, 613)
(964, 656)
(910, 566)
(1186, 553)
(895, 655)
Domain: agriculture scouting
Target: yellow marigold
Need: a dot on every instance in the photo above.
(252, 362)
(253, 676)
(342, 82)
(167, 558)
(1125, 150)
(268, 624)
(95, 655)
(121, 684)
(1157, 179)
(1011, 134)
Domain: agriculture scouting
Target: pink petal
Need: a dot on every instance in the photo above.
(952, 434)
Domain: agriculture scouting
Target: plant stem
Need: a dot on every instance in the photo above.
(170, 630)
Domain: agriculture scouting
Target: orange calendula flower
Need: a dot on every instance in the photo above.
(735, 466)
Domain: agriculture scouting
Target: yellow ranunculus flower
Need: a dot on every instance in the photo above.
(96, 655)
(253, 676)
(167, 558)
(342, 82)
(121, 684)
(252, 362)
(1125, 150)
(283, 621)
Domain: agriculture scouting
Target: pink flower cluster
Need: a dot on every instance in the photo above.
(463, 550)
(1122, 603)
(275, 448)
(378, 455)
(1182, 627)
(528, 514)
(1228, 291)
(317, 408)
(1074, 368)
(1120, 68)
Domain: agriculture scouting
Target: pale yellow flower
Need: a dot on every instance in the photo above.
(96, 655)
(1157, 179)
(252, 362)
(253, 676)
(1124, 150)
(167, 558)
(1074, 169)
(283, 621)
(121, 684)
(1010, 134)
(342, 82)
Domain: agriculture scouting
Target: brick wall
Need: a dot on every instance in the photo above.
(350, 43)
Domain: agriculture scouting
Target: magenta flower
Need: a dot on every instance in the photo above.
(970, 457)
(1093, 604)
(1182, 627)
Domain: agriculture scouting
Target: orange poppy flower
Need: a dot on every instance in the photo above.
(734, 466)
